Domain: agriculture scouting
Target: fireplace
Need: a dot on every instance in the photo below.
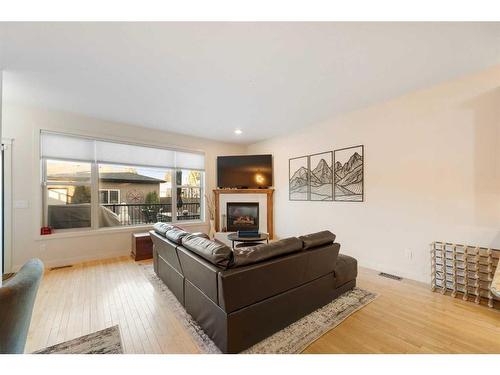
(264, 198)
(242, 216)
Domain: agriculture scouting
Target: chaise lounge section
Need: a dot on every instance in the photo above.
(241, 296)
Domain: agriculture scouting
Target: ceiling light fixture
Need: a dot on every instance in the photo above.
(238, 131)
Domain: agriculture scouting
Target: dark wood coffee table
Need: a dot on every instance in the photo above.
(233, 237)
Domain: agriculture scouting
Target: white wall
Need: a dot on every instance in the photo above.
(432, 172)
(23, 124)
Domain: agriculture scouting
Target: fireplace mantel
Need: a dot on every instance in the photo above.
(268, 192)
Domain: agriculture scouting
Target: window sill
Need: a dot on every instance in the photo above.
(102, 231)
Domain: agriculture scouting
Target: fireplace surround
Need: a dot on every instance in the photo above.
(242, 216)
(263, 196)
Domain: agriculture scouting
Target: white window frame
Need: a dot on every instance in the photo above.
(175, 187)
(45, 194)
(109, 195)
(95, 203)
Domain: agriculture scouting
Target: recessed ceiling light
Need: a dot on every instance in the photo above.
(238, 131)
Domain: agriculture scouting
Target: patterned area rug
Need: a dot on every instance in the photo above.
(107, 341)
(290, 340)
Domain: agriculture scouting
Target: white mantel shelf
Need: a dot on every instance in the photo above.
(268, 192)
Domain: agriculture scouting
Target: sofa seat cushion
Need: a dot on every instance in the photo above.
(176, 235)
(214, 252)
(255, 254)
(162, 228)
(346, 269)
(317, 239)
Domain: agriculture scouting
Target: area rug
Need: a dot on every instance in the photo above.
(107, 341)
(290, 340)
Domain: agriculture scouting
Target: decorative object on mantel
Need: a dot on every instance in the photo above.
(465, 270)
(290, 340)
(224, 228)
(211, 214)
(349, 174)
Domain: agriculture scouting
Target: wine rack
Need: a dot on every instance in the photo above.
(464, 271)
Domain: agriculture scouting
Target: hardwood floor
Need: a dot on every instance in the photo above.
(406, 318)
(89, 297)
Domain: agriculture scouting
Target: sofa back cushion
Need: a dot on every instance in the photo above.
(317, 239)
(199, 272)
(255, 254)
(198, 234)
(242, 286)
(166, 250)
(214, 252)
(162, 228)
(176, 235)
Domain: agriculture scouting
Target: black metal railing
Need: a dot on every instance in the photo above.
(147, 213)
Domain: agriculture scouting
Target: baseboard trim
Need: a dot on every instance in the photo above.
(426, 279)
(78, 259)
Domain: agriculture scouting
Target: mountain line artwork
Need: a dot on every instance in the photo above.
(328, 176)
(321, 177)
(311, 177)
(298, 174)
(349, 175)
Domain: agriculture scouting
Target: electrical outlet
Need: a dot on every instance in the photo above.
(43, 247)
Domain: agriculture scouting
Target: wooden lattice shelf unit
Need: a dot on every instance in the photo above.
(465, 271)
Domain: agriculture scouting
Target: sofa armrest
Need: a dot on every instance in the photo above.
(346, 269)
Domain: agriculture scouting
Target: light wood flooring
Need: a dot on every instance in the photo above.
(406, 318)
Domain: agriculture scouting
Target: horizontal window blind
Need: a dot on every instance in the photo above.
(60, 146)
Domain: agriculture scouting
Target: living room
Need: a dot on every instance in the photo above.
(250, 187)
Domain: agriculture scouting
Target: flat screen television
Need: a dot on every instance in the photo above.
(245, 171)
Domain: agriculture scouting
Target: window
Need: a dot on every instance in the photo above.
(188, 186)
(109, 196)
(117, 184)
(68, 194)
(140, 189)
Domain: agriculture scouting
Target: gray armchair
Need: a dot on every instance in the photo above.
(17, 297)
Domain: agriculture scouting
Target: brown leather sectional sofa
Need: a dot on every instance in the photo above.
(242, 296)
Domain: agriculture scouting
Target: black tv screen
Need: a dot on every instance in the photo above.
(246, 171)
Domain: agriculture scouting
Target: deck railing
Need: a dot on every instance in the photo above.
(147, 213)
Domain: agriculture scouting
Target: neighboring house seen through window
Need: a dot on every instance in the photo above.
(67, 194)
(113, 186)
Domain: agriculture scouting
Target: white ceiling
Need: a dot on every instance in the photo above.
(207, 79)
